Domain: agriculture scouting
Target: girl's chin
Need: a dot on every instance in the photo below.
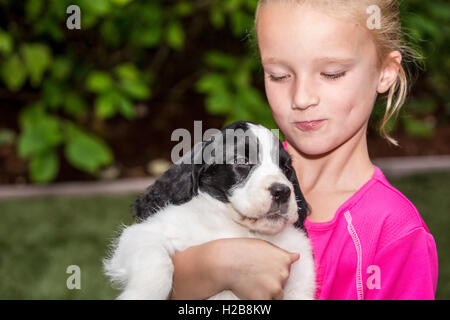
(312, 146)
(313, 150)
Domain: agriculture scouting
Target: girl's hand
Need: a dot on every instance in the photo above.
(256, 269)
(251, 268)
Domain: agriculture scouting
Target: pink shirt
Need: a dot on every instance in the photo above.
(376, 247)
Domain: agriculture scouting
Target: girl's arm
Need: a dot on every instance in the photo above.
(196, 273)
(251, 268)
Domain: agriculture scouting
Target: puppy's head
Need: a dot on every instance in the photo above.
(244, 166)
(256, 179)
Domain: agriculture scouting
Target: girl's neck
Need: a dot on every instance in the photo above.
(344, 169)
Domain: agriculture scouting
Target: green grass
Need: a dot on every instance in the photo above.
(41, 237)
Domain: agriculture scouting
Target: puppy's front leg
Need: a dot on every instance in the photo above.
(141, 264)
(150, 277)
(301, 283)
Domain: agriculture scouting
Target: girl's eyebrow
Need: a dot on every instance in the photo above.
(326, 59)
(335, 60)
(273, 61)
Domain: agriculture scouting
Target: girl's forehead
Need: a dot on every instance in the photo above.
(293, 30)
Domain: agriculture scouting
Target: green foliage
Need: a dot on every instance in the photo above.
(37, 59)
(66, 77)
(427, 29)
(85, 151)
(229, 90)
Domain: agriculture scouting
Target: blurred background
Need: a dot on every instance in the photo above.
(99, 103)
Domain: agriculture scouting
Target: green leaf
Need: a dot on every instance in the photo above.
(52, 94)
(85, 151)
(240, 23)
(110, 33)
(147, 37)
(251, 99)
(121, 2)
(37, 58)
(136, 90)
(44, 166)
(74, 105)
(232, 5)
(126, 108)
(242, 78)
(14, 73)
(33, 111)
(99, 82)
(422, 105)
(61, 68)
(39, 134)
(184, 8)
(95, 8)
(107, 104)
(33, 8)
(127, 71)
(418, 128)
(47, 28)
(211, 82)
(175, 35)
(217, 17)
(6, 42)
(217, 59)
(219, 103)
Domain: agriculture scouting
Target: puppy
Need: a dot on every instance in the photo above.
(222, 189)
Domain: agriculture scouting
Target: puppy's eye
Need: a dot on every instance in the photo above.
(242, 161)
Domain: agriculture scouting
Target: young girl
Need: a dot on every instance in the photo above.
(325, 62)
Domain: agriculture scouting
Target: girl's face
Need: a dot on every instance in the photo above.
(317, 67)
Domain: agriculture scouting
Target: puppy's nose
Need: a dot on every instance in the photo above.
(280, 192)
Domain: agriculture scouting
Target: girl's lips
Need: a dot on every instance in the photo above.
(309, 125)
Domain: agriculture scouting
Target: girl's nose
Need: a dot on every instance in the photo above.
(305, 95)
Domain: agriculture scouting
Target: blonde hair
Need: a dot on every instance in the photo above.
(388, 37)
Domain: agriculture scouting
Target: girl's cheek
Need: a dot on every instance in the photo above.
(276, 100)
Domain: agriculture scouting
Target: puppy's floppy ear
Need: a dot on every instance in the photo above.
(176, 186)
(303, 207)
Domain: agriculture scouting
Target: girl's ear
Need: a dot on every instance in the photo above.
(389, 71)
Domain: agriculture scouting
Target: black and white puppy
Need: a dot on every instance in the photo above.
(194, 203)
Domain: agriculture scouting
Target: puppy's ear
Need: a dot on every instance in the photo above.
(176, 186)
(303, 207)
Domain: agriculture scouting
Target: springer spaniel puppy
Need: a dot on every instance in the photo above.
(215, 195)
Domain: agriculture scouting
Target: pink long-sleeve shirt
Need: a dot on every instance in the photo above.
(376, 247)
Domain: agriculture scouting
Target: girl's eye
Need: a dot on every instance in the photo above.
(333, 76)
(273, 78)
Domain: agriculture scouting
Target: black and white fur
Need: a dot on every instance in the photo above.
(191, 204)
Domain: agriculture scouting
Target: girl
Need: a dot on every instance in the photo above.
(325, 62)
